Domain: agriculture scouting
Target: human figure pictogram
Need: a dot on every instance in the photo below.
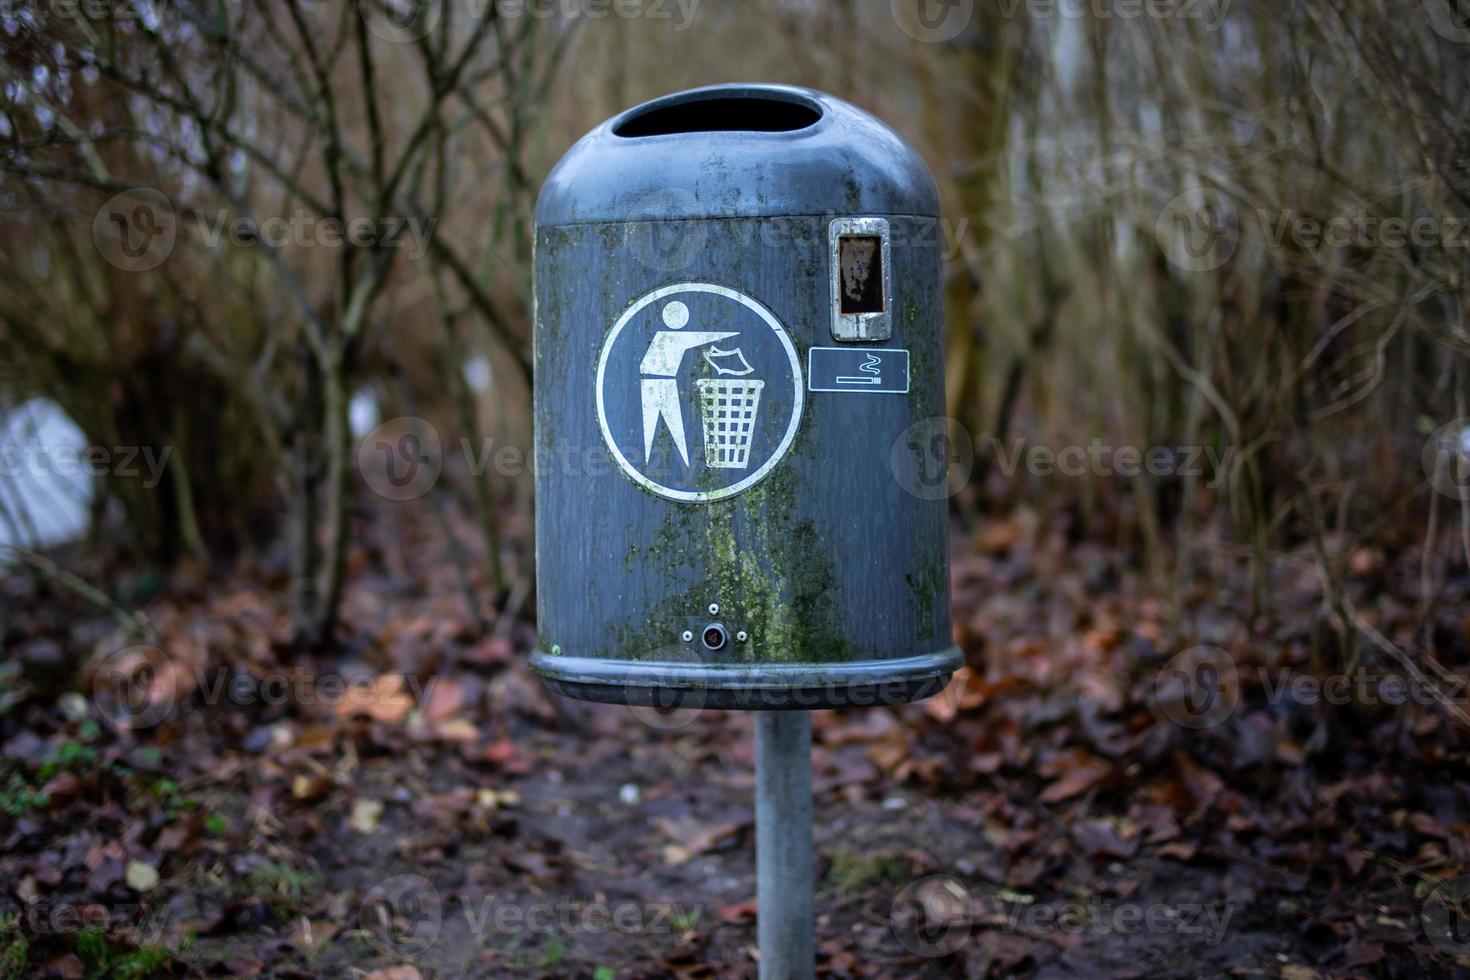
(660, 370)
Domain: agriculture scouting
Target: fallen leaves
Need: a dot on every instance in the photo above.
(1107, 838)
(141, 876)
(445, 698)
(1204, 787)
(62, 789)
(741, 913)
(1073, 774)
(386, 699)
(311, 937)
(966, 691)
(68, 967)
(310, 786)
(1299, 971)
(457, 730)
(1180, 851)
(506, 755)
(689, 838)
(395, 973)
(1039, 772)
(492, 799)
(366, 812)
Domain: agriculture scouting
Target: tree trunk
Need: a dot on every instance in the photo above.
(304, 488)
(334, 498)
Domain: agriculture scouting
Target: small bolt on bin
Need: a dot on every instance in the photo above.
(738, 317)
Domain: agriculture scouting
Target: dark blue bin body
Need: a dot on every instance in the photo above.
(737, 347)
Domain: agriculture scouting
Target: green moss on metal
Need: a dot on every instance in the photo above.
(926, 586)
(762, 564)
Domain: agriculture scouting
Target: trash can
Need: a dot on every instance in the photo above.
(737, 334)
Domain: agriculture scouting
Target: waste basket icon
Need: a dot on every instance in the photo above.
(729, 408)
(737, 319)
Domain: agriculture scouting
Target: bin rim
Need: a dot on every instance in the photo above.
(843, 162)
(749, 686)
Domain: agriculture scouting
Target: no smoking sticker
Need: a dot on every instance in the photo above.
(862, 369)
(699, 391)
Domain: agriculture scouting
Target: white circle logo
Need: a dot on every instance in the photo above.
(402, 458)
(1199, 230)
(135, 231)
(932, 21)
(699, 392)
(402, 915)
(404, 21)
(1447, 459)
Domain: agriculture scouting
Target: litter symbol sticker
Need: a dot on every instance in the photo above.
(699, 391)
(870, 369)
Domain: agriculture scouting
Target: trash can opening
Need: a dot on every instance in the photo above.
(756, 112)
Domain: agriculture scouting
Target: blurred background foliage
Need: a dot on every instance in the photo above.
(1119, 192)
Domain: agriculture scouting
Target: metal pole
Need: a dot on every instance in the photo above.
(783, 844)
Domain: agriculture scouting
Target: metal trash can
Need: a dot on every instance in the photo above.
(737, 330)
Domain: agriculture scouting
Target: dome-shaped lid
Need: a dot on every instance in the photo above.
(731, 151)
